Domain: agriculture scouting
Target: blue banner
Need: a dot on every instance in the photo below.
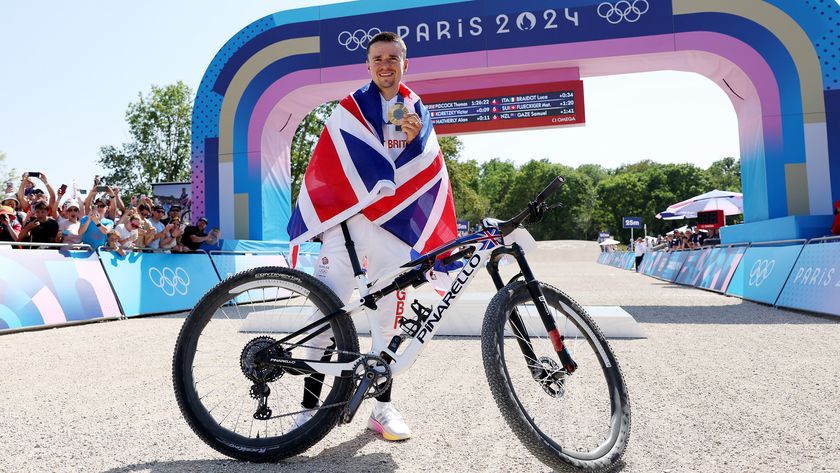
(670, 265)
(763, 271)
(717, 269)
(151, 283)
(652, 261)
(630, 261)
(52, 287)
(631, 222)
(491, 25)
(690, 272)
(814, 283)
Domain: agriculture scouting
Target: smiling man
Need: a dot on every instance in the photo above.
(377, 173)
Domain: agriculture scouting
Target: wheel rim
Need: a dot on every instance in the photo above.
(219, 371)
(584, 422)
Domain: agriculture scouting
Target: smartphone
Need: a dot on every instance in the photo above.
(101, 188)
(34, 174)
(62, 188)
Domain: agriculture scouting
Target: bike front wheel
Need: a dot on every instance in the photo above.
(243, 407)
(580, 419)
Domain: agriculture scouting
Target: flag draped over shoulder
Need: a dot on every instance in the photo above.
(351, 172)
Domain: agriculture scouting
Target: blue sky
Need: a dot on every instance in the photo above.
(68, 71)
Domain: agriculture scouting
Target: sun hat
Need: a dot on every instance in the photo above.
(5, 209)
(10, 196)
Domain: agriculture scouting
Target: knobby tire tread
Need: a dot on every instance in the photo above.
(309, 433)
(516, 418)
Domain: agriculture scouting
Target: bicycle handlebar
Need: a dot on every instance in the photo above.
(509, 226)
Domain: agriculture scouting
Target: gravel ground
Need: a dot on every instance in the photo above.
(720, 384)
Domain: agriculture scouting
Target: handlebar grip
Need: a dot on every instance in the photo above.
(550, 189)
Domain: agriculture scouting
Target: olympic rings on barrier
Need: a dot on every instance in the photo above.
(760, 271)
(357, 39)
(170, 281)
(623, 10)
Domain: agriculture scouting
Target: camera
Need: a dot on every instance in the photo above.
(101, 188)
(34, 174)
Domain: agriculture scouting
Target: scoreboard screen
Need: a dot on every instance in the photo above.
(501, 108)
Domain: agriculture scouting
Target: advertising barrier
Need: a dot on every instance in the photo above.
(763, 271)
(814, 283)
(153, 283)
(52, 287)
(689, 274)
(718, 268)
(670, 265)
(651, 261)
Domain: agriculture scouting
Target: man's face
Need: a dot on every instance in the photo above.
(40, 214)
(174, 214)
(386, 64)
(201, 225)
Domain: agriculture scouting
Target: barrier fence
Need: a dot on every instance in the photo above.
(45, 285)
(796, 274)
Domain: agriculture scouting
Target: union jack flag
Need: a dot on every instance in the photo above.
(351, 172)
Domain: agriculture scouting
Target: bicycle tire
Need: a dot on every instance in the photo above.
(199, 416)
(579, 402)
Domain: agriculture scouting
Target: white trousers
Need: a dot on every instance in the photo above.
(383, 251)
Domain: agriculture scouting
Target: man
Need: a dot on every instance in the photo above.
(640, 247)
(153, 239)
(174, 212)
(387, 180)
(95, 226)
(194, 235)
(41, 228)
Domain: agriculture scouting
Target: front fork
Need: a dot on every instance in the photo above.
(518, 327)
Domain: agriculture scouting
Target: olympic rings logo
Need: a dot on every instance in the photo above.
(357, 39)
(623, 10)
(170, 281)
(760, 271)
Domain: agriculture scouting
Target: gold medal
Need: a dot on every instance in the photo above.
(397, 113)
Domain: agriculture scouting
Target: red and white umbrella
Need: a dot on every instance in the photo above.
(732, 203)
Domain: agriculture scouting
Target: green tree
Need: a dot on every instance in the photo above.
(463, 176)
(725, 174)
(7, 175)
(159, 150)
(494, 180)
(303, 143)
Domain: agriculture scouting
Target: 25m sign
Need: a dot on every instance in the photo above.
(631, 222)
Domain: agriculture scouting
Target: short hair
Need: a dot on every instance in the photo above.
(40, 205)
(388, 37)
(142, 207)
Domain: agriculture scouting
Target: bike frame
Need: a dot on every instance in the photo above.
(484, 248)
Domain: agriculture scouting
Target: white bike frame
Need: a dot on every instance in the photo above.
(417, 344)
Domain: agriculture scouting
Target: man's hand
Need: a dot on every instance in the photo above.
(31, 225)
(411, 125)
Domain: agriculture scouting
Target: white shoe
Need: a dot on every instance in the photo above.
(388, 421)
(301, 418)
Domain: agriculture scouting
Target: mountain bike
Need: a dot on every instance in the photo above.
(552, 373)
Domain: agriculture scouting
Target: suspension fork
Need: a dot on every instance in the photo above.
(537, 296)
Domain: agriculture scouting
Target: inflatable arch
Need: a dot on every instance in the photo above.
(776, 60)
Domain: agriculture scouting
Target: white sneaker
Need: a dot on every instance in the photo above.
(388, 421)
(301, 418)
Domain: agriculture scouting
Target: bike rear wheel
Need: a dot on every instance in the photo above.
(580, 419)
(215, 368)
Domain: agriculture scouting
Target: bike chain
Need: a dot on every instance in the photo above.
(331, 350)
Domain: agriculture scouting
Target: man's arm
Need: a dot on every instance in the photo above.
(21, 194)
(53, 200)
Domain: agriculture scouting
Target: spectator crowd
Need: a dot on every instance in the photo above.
(99, 217)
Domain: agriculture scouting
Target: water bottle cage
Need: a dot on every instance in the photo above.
(412, 326)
